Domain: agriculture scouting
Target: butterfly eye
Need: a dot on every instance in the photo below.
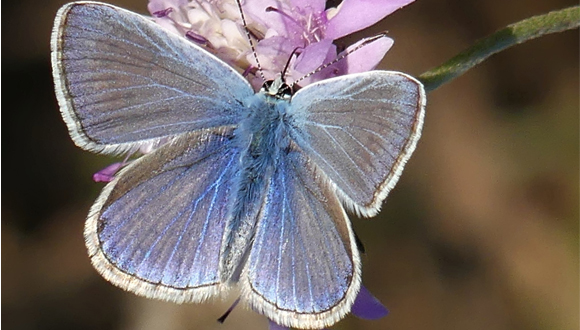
(266, 86)
(284, 92)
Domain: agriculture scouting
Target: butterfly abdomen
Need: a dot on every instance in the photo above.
(262, 138)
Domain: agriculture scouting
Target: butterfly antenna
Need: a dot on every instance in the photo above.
(342, 56)
(223, 318)
(249, 36)
(288, 63)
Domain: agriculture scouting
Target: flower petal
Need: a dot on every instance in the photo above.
(161, 5)
(365, 58)
(108, 173)
(313, 56)
(161, 9)
(355, 15)
(315, 6)
(273, 53)
(328, 72)
(367, 307)
(278, 19)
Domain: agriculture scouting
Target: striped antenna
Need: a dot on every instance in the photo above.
(248, 35)
(341, 57)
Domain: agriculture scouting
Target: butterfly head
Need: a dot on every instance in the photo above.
(277, 88)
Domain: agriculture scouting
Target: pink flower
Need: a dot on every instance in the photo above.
(299, 31)
(108, 173)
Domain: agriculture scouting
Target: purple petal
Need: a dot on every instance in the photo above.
(160, 10)
(273, 54)
(365, 58)
(367, 307)
(108, 173)
(197, 38)
(278, 17)
(355, 15)
(162, 13)
(155, 6)
(315, 6)
(328, 72)
(313, 56)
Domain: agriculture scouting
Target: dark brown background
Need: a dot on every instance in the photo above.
(480, 233)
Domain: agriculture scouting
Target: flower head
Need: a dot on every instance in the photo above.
(300, 32)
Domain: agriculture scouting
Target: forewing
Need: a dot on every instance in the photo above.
(360, 130)
(156, 230)
(303, 269)
(121, 80)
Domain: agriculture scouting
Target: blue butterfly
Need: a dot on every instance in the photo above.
(252, 188)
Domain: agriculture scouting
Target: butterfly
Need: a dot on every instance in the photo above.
(251, 189)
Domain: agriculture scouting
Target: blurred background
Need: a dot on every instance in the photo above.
(480, 233)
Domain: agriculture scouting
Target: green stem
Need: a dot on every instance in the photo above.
(530, 28)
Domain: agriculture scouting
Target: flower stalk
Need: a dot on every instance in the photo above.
(513, 34)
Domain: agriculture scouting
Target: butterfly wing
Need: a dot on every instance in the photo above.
(123, 81)
(360, 129)
(303, 269)
(157, 228)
